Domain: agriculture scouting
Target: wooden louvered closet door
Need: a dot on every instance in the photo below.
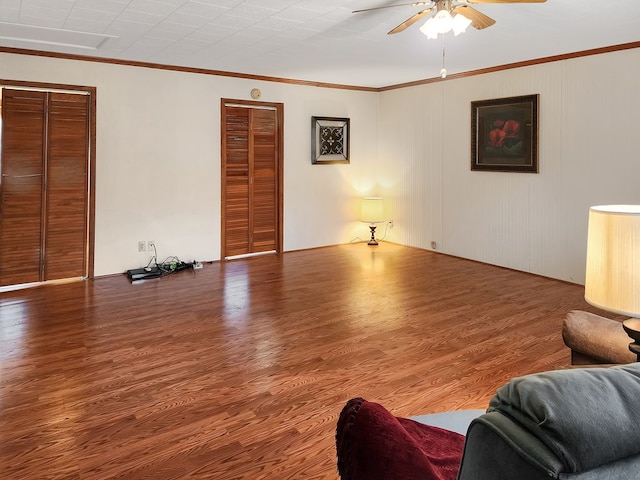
(251, 169)
(44, 186)
(23, 127)
(67, 189)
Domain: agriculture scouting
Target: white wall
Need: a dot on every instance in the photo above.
(530, 222)
(158, 161)
(158, 158)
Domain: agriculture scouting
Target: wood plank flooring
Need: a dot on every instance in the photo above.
(239, 370)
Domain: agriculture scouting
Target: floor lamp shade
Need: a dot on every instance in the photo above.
(372, 210)
(613, 259)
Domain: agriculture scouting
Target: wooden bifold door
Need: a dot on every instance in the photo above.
(44, 186)
(251, 178)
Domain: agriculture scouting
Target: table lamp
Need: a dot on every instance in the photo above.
(372, 212)
(613, 264)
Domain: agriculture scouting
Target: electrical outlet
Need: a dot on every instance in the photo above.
(390, 223)
(434, 246)
(142, 246)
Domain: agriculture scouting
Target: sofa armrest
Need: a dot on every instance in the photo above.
(593, 337)
(585, 417)
(497, 448)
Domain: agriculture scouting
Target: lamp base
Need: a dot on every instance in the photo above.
(373, 235)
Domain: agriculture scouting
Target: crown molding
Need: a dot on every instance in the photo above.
(264, 78)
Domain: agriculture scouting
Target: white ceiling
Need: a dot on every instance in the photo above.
(311, 40)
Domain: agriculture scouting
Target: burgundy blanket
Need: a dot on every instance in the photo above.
(372, 444)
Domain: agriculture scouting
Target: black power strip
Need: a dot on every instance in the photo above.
(159, 270)
(172, 267)
(142, 273)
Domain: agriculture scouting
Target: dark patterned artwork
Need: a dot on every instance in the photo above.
(504, 134)
(329, 140)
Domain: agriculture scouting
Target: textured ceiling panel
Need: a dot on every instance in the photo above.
(102, 6)
(201, 10)
(50, 36)
(298, 14)
(314, 40)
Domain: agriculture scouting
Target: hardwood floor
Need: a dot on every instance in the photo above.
(240, 370)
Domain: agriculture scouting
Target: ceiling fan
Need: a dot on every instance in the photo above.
(446, 12)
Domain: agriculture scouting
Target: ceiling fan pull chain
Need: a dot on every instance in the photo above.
(443, 71)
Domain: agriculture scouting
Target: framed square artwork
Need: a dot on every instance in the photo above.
(329, 140)
(504, 134)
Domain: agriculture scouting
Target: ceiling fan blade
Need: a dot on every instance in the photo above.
(504, 1)
(410, 21)
(414, 4)
(478, 19)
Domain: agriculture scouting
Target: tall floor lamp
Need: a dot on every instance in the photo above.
(613, 264)
(372, 212)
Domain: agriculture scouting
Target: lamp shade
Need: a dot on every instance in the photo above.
(372, 210)
(613, 259)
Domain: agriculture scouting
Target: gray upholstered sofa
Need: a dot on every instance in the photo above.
(574, 424)
(579, 424)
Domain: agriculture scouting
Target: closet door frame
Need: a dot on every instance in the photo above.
(91, 93)
(279, 109)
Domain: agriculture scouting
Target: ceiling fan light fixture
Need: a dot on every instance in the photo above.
(459, 24)
(430, 28)
(442, 22)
